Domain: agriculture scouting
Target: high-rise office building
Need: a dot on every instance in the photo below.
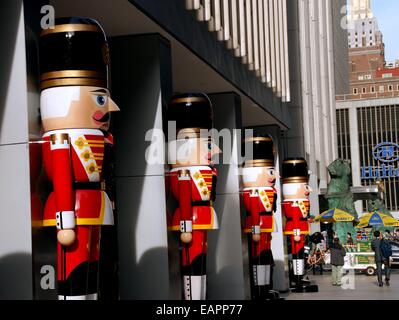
(368, 117)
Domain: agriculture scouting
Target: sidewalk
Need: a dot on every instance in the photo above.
(364, 288)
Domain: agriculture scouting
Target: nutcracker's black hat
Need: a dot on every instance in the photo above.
(74, 53)
(191, 111)
(263, 151)
(295, 170)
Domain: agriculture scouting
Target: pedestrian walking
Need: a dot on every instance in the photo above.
(383, 252)
(338, 253)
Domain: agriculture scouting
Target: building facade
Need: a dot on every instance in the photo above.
(367, 117)
(319, 49)
(267, 65)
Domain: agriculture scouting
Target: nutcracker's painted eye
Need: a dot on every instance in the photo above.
(210, 145)
(101, 100)
(271, 172)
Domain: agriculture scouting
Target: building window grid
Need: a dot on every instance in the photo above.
(343, 134)
(389, 124)
(396, 117)
(347, 136)
(379, 124)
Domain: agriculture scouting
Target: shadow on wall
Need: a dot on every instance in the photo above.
(143, 267)
(14, 279)
(9, 19)
(140, 273)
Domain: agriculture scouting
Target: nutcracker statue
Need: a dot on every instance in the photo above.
(75, 107)
(193, 185)
(259, 195)
(296, 210)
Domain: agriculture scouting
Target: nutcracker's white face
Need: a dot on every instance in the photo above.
(192, 152)
(296, 191)
(76, 107)
(253, 177)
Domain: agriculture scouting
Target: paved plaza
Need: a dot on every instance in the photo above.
(356, 287)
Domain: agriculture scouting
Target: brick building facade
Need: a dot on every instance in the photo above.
(368, 117)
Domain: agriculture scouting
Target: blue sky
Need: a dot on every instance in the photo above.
(387, 12)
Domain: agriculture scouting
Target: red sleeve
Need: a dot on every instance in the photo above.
(62, 173)
(184, 196)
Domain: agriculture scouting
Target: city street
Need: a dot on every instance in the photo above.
(365, 288)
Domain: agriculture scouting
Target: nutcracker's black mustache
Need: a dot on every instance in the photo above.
(105, 118)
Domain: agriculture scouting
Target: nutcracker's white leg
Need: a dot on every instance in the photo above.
(194, 287)
(261, 275)
(298, 267)
(83, 297)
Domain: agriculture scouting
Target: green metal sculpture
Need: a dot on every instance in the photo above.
(377, 205)
(339, 195)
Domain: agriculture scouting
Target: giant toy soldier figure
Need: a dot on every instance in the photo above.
(296, 210)
(75, 108)
(259, 177)
(193, 185)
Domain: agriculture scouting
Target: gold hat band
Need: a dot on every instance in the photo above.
(71, 28)
(71, 74)
(189, 100)
(73, 82)
(254, 139)
(294, 161)
(192, 133)
(295, 180)
(259, 163)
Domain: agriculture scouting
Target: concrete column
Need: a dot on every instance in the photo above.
(331, 82)
(225, 266)
(325, 93)
(141, 82)
(306, 82)
(355, 154)
(15, 214)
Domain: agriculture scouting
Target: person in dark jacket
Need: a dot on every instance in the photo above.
(338, 253)
(379, 259)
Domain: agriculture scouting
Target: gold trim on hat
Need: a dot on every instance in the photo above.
(71, 28)
(71, 74)
(259, 163)
(73, 82)
(188, 133)
(294, 161)
(254, 139)
(189, 100)
(295, 180)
